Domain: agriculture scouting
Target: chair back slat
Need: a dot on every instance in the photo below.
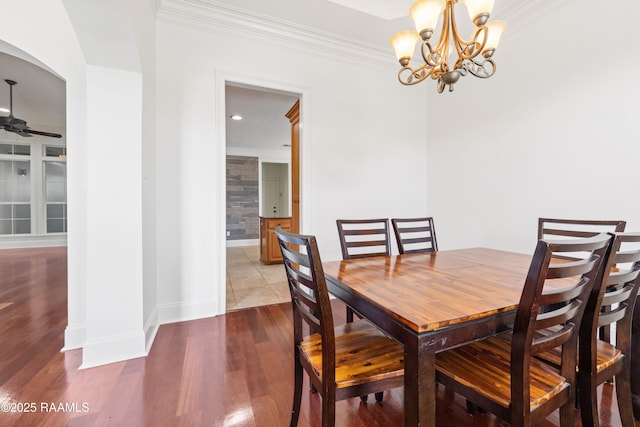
(615, 295)
(361, 238)
(555, 338)
(557, 228)
(614, 316)
(415, 234)
(550, 227)
(368, 243)
(570, 268)
(568, 233)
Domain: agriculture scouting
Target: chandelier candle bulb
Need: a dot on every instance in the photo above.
(404, 43)
(495, 28)
(425, 14)
(479, 10)
(451, 57)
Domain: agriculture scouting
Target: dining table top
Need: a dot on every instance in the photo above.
(428, 291)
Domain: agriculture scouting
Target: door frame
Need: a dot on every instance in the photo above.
(304, 93)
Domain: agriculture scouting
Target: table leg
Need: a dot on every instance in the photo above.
(419, 386)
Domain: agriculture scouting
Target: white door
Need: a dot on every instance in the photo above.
(270, 197)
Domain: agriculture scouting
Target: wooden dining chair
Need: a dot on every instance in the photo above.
(354, 359)
(360, 238)
(415, 234)
(554, 228)
(611, 304)
(501, 374)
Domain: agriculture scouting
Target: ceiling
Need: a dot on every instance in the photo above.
(385, 9)
(263, 125)
(39, 97)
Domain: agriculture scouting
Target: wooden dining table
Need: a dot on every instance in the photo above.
(430, 302)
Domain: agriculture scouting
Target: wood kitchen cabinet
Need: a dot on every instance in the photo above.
(269, 249)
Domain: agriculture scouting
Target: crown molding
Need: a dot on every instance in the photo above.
(211, 15)
(217, 16)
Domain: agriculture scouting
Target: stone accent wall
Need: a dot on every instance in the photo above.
(242, 198)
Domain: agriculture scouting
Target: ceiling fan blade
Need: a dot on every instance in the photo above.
(39, 132)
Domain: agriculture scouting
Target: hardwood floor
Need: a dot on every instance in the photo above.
(232, 370)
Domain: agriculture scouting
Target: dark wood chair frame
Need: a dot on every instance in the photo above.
(524, 342)
(311, 305)
(611, 302)
(379, 243)
(415, 231)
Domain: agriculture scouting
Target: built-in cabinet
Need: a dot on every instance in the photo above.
(294, 117)
(269, 249)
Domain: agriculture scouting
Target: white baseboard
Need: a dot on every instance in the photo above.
(151, 329)
(180, 312)
(113, 349)
(32, 241)
(74, 336)
(247, 242)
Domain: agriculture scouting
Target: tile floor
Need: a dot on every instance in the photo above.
(250, 283)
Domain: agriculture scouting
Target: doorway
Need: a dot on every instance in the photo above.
(259, 134)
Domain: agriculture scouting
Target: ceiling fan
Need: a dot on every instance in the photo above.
(16, 125)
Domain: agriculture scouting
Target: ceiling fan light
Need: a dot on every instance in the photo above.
(404, 44)
(479, 10)
(425, 15)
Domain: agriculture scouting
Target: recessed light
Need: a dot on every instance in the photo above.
(236, 117)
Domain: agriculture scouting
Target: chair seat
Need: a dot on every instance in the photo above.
(363, 354)
(608, 354)
(484, 366)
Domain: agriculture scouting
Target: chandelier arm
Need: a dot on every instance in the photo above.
(483, 70)
(411, 76)
(458, 42)
(431, 57)
(468, 49)
(478, 47)
(443, 42)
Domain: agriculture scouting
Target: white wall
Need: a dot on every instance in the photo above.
(363, 150)
(114, 259)
(553, 133)
(144, 16)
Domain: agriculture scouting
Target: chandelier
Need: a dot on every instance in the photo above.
(473, 56)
